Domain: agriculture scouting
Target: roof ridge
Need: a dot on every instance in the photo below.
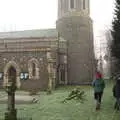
(44, 29)
(29, 33)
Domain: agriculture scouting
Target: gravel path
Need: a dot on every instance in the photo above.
(19, 99)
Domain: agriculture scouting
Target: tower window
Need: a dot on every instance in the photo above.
(84, 2)
(72, 4)
(61, 4)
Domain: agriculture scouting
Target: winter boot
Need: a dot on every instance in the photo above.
(98, 106)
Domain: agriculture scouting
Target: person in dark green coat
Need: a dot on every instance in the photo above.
(116, 93)
(99, 86)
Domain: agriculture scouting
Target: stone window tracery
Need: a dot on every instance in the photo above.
(33, 68)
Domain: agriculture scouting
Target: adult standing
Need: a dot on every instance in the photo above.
(99, 86)
(116, 93)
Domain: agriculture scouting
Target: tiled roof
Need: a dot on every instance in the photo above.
(29, 34)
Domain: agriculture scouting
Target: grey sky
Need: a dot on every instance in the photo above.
(102, 14)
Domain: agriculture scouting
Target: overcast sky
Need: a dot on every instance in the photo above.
(102, 14)
(38, 14)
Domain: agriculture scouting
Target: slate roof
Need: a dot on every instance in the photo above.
(39, 33)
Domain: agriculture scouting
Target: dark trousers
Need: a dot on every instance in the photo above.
(98, 96)
(117, 104)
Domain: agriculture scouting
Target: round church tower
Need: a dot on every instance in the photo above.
(75, 25)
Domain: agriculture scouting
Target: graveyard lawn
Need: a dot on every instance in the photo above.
(50, 107)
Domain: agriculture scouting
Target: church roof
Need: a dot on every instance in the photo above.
(39, 33)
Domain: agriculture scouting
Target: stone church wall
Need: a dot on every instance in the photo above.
(22, 59)
(25, 53)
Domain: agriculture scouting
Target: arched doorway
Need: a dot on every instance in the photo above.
(12, 69)
(10, 89)
(12, 75)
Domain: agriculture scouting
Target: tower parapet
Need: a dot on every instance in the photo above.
(66, 7)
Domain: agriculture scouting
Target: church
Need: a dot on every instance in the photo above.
(46, 58)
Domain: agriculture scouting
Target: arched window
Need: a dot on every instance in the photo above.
(62, 74)
(62, 77)
(33, 69)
